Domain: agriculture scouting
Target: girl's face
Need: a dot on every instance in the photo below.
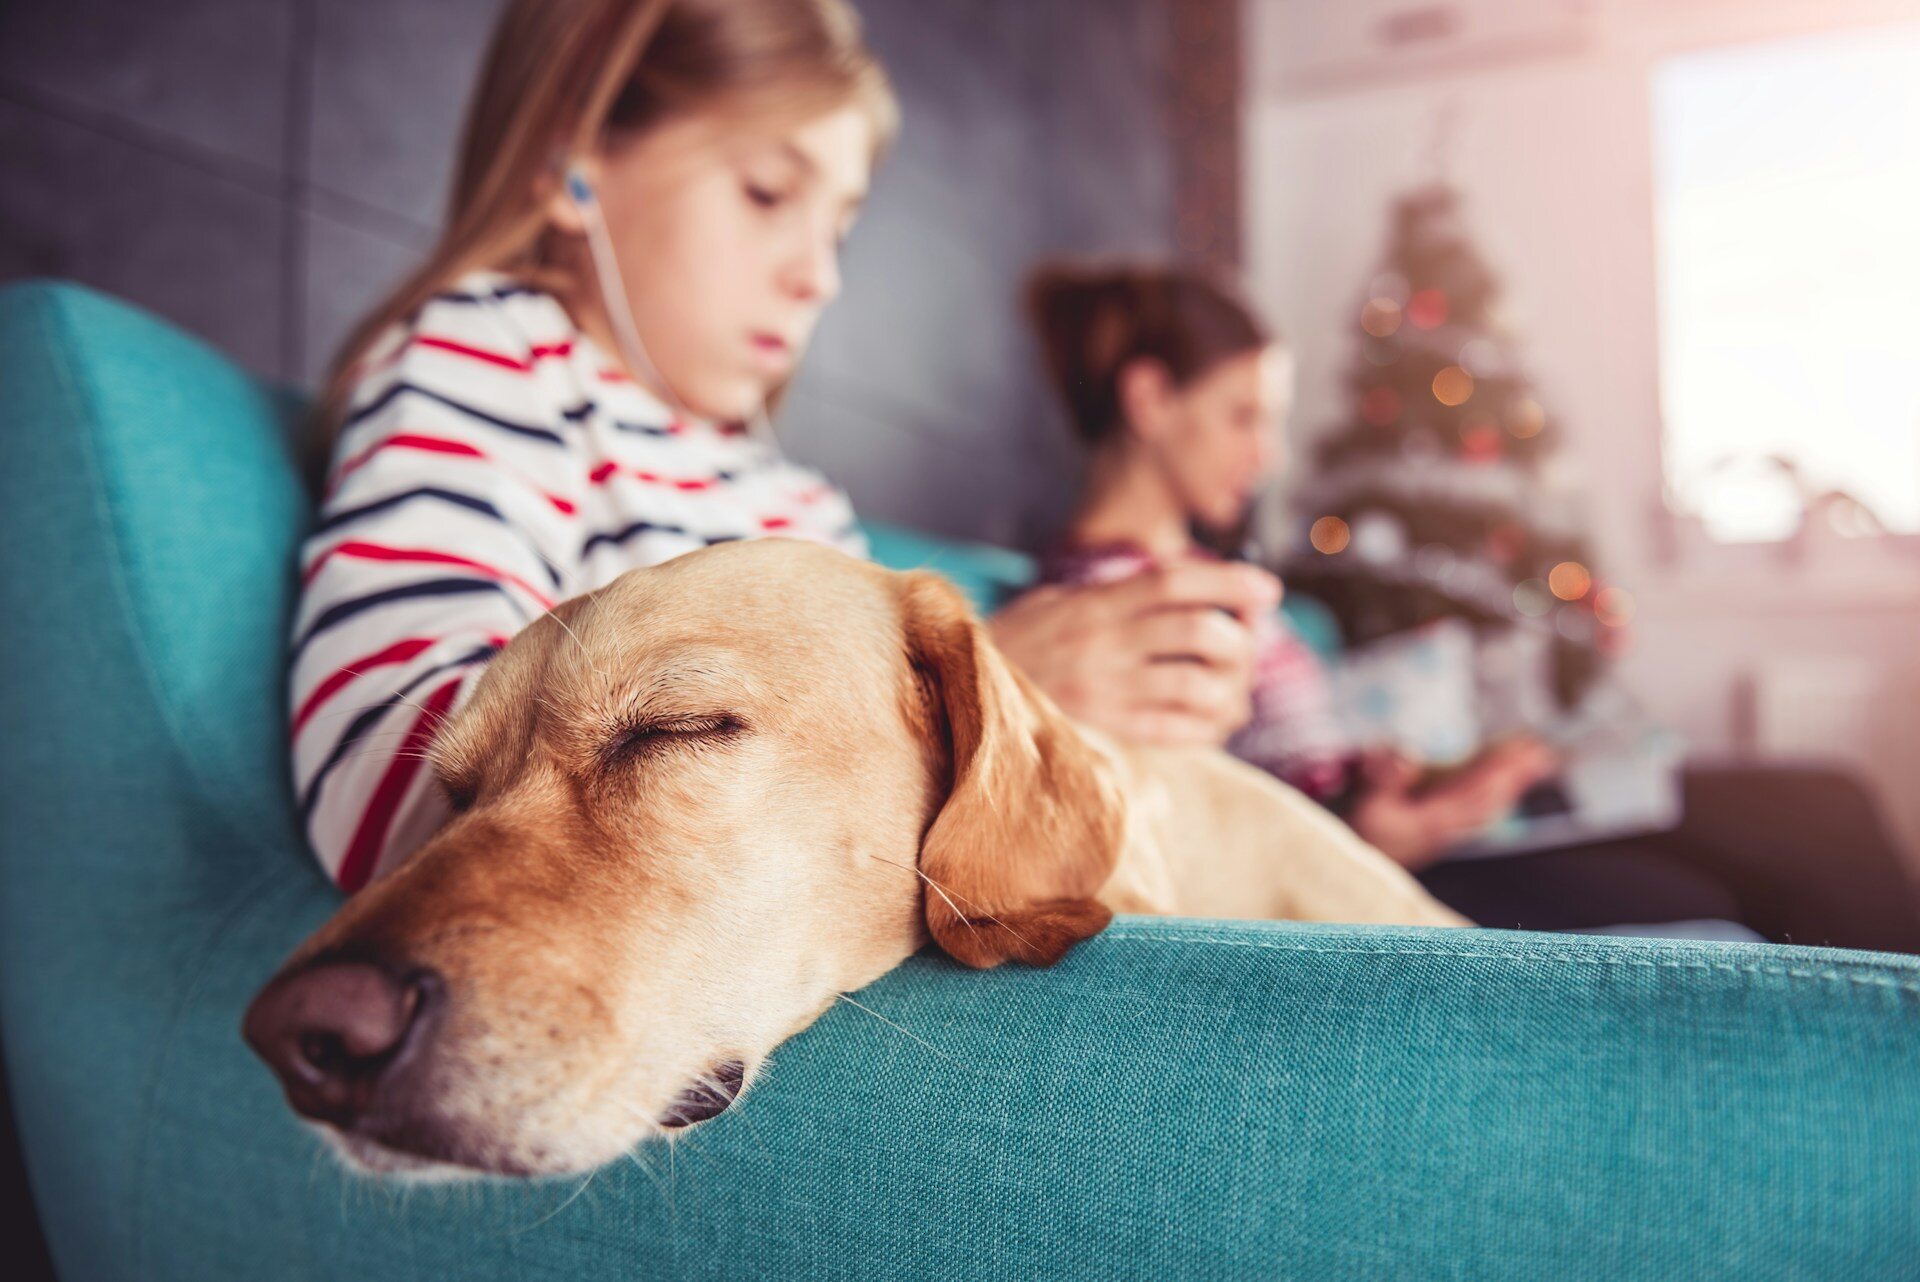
(728, 240)
(1216, 440)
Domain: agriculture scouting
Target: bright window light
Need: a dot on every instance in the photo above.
(1787, 192)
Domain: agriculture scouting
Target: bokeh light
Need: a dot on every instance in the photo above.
(1531, 598)
(1526, 418)
(1480, 443)
(1569, 580)
(1613, 607)
(1427, 309)
(1433, 561)
(1452, 386)
(1380, 317)
(1329, 535)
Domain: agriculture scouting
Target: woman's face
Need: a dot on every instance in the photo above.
(728, 241)
(1218, 439)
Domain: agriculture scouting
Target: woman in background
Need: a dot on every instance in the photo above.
(1179, 394)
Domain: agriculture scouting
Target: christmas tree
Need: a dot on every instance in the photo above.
(1442, 493)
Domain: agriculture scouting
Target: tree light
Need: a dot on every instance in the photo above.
(1329, 535)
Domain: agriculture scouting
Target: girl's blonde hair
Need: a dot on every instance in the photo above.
(560, 77)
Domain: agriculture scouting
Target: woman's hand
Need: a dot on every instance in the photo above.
(1414, 826)
(1163, 657)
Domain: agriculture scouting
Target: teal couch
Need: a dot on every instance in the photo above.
(1176, 1099)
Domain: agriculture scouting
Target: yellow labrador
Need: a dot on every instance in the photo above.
(695, 805)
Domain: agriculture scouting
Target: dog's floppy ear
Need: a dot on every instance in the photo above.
(1033, 821)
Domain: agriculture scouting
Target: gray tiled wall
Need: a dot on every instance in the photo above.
(258, 170)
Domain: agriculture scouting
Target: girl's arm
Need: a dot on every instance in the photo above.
(447, 526)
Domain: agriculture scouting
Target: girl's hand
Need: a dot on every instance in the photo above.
(1163, 657)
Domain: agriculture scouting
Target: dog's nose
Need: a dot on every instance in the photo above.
(335, 1033)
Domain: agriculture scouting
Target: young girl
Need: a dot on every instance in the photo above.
(644, 229)
(645, 225)
(1179, 393)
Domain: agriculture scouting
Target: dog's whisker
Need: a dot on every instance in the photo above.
(584, 653)
(399, 733)
(943, 892)
(633, 1155)
(753, 1129)
(556, 1210)
(386, 732)
(383, 738)
(391, 697)
(909, 1033)
(376, 737)
(378, 750)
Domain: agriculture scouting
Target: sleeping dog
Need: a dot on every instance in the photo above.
(693, 806)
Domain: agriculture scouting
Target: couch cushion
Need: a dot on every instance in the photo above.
(149, 494)
(987, 574)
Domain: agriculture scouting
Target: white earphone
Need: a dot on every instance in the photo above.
(613, 291)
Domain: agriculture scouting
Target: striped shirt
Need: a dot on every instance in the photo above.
(493, 461)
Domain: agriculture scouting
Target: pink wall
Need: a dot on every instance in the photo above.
(1553, 149)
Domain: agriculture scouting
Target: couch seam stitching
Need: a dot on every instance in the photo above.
(1783, 971)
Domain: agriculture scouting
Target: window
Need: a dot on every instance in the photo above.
(1787, 196)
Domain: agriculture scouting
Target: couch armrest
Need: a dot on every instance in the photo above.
(148, 516)
(1175, 1099)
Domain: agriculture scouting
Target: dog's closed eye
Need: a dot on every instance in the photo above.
(633, 742)
(460, 793)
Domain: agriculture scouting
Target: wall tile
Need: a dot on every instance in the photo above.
(348, 269)
(199, 249)
(899, 468)
(209, 73)
(928, 320)
(390, 85)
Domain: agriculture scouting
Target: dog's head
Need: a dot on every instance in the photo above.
(691, 808)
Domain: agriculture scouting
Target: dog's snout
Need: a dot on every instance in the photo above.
(340, 1033)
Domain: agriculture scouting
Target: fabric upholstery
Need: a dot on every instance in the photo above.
(1177, 1098)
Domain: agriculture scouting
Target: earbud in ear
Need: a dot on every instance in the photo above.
(579, 190)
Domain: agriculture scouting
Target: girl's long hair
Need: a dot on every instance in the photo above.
(561, 77)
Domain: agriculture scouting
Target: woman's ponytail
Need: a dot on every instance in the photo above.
(1094, 320)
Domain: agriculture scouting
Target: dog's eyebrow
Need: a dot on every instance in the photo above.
(449, 762)
(689, 683)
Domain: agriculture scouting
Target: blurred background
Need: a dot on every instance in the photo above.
(1604, 309)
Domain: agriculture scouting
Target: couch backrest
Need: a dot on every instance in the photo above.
(151, 511)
